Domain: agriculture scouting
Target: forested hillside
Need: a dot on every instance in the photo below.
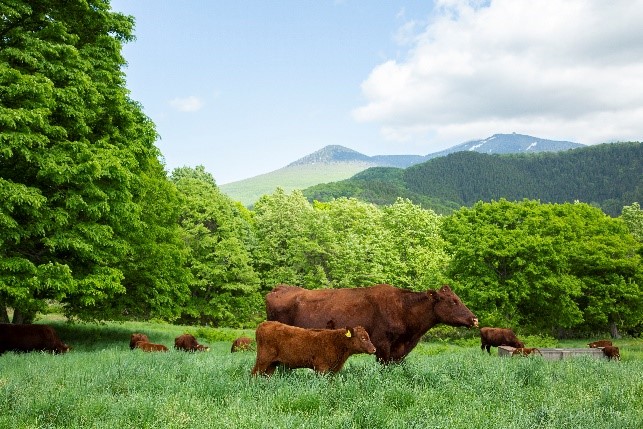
(609, 176)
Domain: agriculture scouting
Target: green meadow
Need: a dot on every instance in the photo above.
(101, 383)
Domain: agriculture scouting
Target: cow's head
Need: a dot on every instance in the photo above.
(360, 340)
(449, 309)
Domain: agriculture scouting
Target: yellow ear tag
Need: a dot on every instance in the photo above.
(348, 334)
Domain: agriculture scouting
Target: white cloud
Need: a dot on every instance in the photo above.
(187, 104)
(568, 69)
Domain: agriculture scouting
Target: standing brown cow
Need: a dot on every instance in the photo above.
(26, 338)
(241, 344)
(612, 352)
(188, 343)
(395, 318)
(600, 343)
(498, 337)
(324, 350)
(135, 338)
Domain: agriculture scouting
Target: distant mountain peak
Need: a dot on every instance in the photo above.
(331, 154)
(509, 143)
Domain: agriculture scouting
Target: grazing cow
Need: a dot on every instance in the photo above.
(395, 318)
(26, 338)
(600, 343)
(146, 346)
(135, 338)
(612, 352)
(188, 343)
(323, 350)
(241, 344)
(498, 337)
(526, 351)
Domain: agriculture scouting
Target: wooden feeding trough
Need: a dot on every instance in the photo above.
(558, 353)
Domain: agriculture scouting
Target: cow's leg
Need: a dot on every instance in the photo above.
(270, 369)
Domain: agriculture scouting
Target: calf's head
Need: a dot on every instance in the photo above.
(449, 309)
(360, 340)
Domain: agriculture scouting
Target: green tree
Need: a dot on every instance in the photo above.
(358, 245)
(290, 239)
(219, 235)
(633, 217)
(78, 166)
(545, 266)
(418, 258)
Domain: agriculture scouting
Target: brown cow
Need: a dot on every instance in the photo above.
(600, 343)
(498, 337)
(135, 338)
(188, 343)
(26, 338)
(395, 318)
(241, 344)
(612, 352)
(146, 346)
(526, 351)
(324, 350)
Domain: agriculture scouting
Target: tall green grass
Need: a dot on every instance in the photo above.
(102, 384)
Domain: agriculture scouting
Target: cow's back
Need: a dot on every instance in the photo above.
(323, 308)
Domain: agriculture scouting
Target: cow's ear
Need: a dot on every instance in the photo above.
(445, 288)
(348, 333)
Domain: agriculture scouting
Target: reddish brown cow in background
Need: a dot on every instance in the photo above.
(151, 347)
(612, 352)
(188, 343)
(395, 318)
(526, 351)
(498, 337)
(241, 344)
(600, 343)
(26, 338)
(324, 350)
(135, 338)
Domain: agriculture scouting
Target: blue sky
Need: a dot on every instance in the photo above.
(246, 87)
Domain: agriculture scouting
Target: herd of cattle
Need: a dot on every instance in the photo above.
(320, 329)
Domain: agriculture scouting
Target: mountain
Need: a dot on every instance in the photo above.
(607, 175)
(334, 163)
(508, 143)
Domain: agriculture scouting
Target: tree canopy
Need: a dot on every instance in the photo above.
(80, 176)
(546, 266)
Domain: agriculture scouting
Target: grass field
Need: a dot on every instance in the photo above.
(442, 384)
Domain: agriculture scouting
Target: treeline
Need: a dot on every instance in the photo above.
(91, 222)
(607, 176)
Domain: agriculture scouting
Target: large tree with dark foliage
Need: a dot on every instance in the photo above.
(87, 216)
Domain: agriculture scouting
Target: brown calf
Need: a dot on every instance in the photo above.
(26, 338)
(135, 338)
(526, 351)
(241, 344)
(188, 343)
(324, 350)
(151, 347)
(498, 337)
(612, 352)
(600, 343)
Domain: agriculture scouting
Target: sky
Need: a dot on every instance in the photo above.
(246, 87)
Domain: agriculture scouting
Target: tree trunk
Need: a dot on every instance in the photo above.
(4, 314)
(19, 317)
(614, 331)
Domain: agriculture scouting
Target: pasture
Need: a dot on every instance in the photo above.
(101, 383)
